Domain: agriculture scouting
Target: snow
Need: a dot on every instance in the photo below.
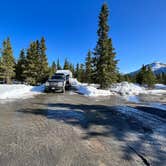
(16, 91)
(88, 90)
(127, 89)
(160, 86)
(130, 89)
(124, 88)
(92, 91)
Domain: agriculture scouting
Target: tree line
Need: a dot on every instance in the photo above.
(144, 77)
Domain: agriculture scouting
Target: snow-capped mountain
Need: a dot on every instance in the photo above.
(157, 68)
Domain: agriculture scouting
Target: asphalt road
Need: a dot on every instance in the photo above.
(73, 130)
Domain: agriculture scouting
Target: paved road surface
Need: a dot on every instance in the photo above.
(72, 130)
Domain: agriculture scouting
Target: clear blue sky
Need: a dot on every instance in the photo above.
(138, 28)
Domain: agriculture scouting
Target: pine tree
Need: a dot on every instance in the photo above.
(20, 66)
(140, 77)
(31, 70)
(88, 67)
(146, 77)
(105, 70)
(71, 68)
(66, 65)
(150, 78)
(77, 72)
(82, 73)
(7, 67)
(43, 65)
(53, 69)
(58, 65)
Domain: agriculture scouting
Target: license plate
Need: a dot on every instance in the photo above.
(53, 88)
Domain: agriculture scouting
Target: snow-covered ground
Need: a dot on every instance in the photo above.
(128, 89)
(89, 90)
(19, 91)
(124, 89)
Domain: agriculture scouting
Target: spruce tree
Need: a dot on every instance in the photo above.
(7, 67)
(88, 67)
(31, 71)
(58, 65)
(43, 62)
(71, 68)
(66, 65)
(77, 72)
(150, 78)
(146, 77)
(82, 73)
(21, 66)
(53, 69)
(105, 70)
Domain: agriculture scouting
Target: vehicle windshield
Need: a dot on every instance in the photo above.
(58, 77)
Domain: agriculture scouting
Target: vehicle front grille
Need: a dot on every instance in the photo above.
(53, 83)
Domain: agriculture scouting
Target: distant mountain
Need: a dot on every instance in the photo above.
(157, 68)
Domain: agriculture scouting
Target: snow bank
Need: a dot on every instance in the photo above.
(88, 90)
(127, 89)
(160, 86)
(92, 91)
(19, 91)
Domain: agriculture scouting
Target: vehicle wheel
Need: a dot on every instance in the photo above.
(63, 90)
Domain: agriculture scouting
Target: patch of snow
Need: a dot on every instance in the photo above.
(160, 86)
(88, 90)
(127, 89)
(19, 91)
(92, 91)
(156, 92)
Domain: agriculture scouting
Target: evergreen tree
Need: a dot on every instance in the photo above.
(66, 65)
(105, 70)
(31, 71)
(71, 68)
(150, 78)
(88, 67)
(7, 67)
(77, 72)
(53, 69)
(146, 77)
(21, 66)
(82, 73)
(58, 65)
(43, 63)
(140, 77)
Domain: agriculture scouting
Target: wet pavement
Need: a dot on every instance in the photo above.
(73, 130)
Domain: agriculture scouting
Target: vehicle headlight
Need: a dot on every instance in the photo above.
(60, 83)
(47, 84)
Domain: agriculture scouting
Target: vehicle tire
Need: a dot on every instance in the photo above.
(63, 90)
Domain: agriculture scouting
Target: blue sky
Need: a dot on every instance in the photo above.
(138, 28)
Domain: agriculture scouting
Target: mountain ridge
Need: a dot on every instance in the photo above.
(157, 68)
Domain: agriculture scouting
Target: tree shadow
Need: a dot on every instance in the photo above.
(114, 124)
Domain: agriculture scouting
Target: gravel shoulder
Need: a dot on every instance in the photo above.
(73, 130)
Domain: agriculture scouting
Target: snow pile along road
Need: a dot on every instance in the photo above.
(127, 89)
(89, 90)
(92, 91)
(19, 91)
